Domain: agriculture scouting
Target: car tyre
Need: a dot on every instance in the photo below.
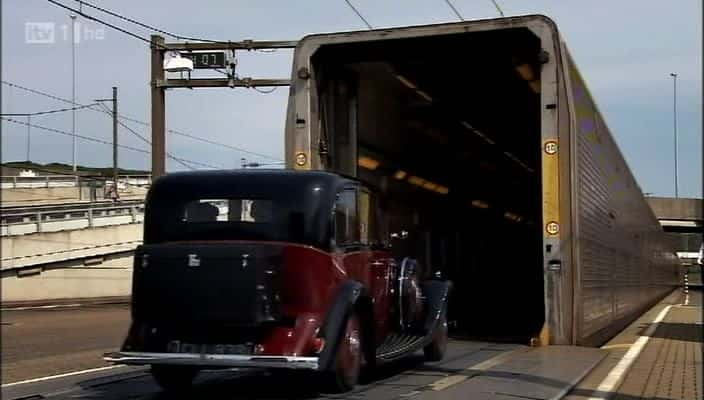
(173, 378)
(435, 350)
(348, 360)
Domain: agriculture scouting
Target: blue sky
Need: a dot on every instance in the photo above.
(625, 49)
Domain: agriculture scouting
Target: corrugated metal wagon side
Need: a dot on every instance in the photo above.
(624, 262)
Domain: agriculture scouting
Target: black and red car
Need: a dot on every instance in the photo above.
(275, 270)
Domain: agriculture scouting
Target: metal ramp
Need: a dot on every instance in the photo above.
(470, 370)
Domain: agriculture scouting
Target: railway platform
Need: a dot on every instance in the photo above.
(659, 356)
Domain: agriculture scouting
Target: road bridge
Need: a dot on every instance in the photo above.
(69, 251)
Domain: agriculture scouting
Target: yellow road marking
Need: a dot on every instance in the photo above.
(494, 361)
(451, 380)
(447, 381)
(617, 346)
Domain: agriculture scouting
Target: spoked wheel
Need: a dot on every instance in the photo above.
(348, 360)
(435, 350)
(174, 378)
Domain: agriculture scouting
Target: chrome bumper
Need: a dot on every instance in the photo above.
(212, 360)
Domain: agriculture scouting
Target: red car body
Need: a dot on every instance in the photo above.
(274, 270)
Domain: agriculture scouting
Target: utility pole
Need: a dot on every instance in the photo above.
(158, 108)
(114, 137)
(29, 135)
(674, 126)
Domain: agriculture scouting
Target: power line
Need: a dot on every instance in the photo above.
(93, 139)
(51, 96)
(223, 145)
(181, 161)
(358, 14)
(142, 137)
(501, 12)
(117, 28)
(60, 132)
(265, 91)
(143, 25)
(449, 3)
(47, 112)
(143, 123)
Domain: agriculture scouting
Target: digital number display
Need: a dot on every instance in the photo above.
(212, 59)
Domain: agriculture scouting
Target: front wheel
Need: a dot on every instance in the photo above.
(435, 350)
(174, 378)
(348, 360)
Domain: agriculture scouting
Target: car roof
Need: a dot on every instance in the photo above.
(206, 181)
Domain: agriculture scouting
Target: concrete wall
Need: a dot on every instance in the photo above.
(71, 280)
(45, 248)
(79, 264)
(681, 209)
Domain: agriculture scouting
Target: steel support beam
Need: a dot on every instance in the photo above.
(242, 45)
(158, 108)
(222, 82)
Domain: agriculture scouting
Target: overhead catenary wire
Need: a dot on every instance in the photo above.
(92, 139)
(264, 91)
(86, 16)
(143, 123)
(48, 111)
(177, 159)
(143, 25)
(127, 32)
(449, 3)
(359, 14)
(145, 139)
(60, 132)
(498, 8)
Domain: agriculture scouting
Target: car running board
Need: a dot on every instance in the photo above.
(396, 345)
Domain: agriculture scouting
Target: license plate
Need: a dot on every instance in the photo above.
(176, 346)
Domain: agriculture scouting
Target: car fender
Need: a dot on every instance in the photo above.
(351, 296)
(436, 293)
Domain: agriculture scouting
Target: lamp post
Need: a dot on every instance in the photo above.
(674, 127)
(73, 87)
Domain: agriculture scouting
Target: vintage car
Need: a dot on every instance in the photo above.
(277, 270)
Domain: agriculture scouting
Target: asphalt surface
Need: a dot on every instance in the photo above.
(39, 344)
(43, 342)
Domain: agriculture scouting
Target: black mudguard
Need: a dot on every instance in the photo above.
(436, 293)
(351, 296)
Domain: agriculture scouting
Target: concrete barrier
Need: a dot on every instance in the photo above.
(72, 279)
(46, 248)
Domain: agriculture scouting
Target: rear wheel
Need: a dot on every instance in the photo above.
(173, 378)
(435, 351)
(348, 360)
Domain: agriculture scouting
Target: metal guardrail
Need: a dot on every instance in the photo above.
(47, 181)
(26, 220)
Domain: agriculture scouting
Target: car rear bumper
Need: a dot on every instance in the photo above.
(213, 360)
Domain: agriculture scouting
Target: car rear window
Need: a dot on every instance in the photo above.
(228, 210)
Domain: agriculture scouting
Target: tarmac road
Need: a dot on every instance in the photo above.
(43, 342)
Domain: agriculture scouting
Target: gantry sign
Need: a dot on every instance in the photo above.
(210, 55)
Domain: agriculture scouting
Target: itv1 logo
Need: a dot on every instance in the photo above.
(47, 33)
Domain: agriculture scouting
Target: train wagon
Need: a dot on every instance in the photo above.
(495, 162)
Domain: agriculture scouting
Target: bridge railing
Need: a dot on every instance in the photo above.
(49, 181)
(61, 218)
